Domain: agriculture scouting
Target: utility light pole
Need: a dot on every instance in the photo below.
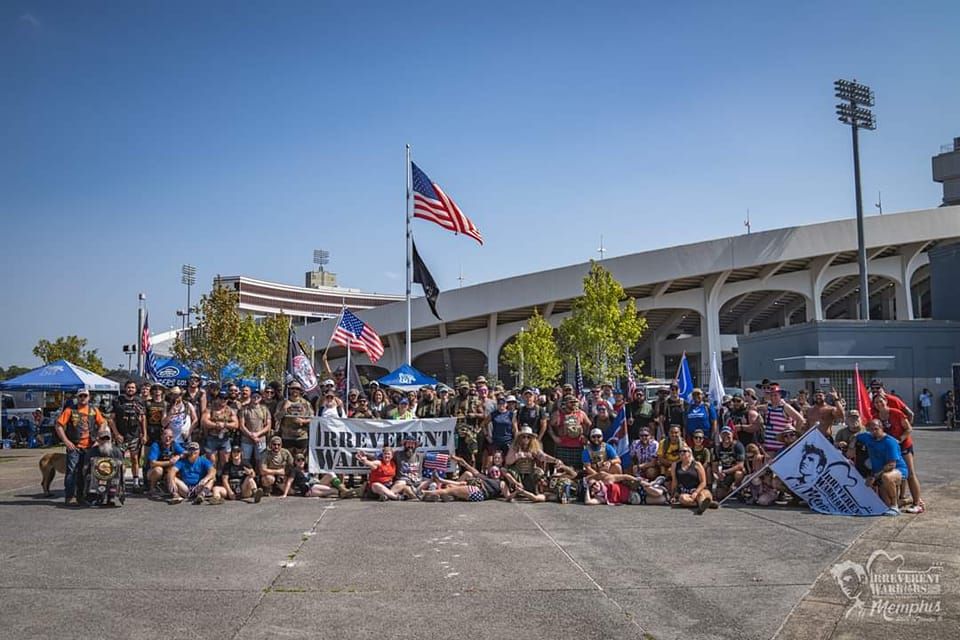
(188, 276)
(855, 112)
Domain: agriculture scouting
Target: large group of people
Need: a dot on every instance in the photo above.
(227, 442)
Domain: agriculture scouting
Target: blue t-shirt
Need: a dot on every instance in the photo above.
(591, 454)
(502, 427)
(158, 451)
(882, 451)
(700, 416)
(193, 472)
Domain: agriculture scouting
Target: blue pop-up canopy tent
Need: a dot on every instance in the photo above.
(59, 375)
(406, 378)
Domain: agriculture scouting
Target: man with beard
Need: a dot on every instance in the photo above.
(745, 421)
(155, 408)
(161, 458)
(293, 415)
(75, 428)
(468, 411)
(847, 437)
(641, 413)
(106, 449)
(410, 466)
(129, 427)
(429, 405)
(219, 422)
(825, 412)
(532, 415)
(193, 476)
(195, 396)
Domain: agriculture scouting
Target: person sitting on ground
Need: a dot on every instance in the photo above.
(523, 459)
(619, 488)
(479, 488)
(886, 461)
(381, 483)
(193, 477)
(238, 479)
(643, 452)
(703, 454)
(729, 464)
(303, 485)
(764, 486)
(846, 438)
(410, 466)
(275, 466)
(599, 455)
(689, 482)
(161, 458)
(561, 483)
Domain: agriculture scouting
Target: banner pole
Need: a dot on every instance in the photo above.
(408, 345)
(346, 387)
(336, 324)
(769, 462)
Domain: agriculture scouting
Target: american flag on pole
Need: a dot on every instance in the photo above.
(578, 382)
(631, 380)
(431, 203)
(436, 462)
(361, 336)
(149, 361)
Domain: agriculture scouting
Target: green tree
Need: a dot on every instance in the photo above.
(533, 355)
(223, 335)
(70, 348)
(12, 372)
(602, 325)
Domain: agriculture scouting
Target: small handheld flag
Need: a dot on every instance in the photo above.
(439, 462)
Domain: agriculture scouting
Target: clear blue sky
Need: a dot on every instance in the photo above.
(239, 136)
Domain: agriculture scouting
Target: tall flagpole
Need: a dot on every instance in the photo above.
(409, 260)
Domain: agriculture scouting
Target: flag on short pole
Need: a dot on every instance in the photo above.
(352, 332)
(684, 379)
(149, 360)
(578, 382)
(631, 380)
(422, 275)
(863, 397)
(621, 444)
(431, 203)
(439, 462)
(716, 392)
(299, 367)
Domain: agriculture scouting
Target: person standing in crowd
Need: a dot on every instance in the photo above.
(218, 423)
(293, 415)
(897, 425)
(500, 428)
(402, 410)
(156, 408)
(532, 415)
(161, 458)
(271, 400)
(780, 415)
(826, 411)
(689, 482)
(700, 416)
(378, 402)
(925, 401)
(179, 416)
(75, 427)
(193, 476)
(603, 420)
(327, 405)
(430, 406)
(893, 400)
(641, 414)
(195, 395)
(254, 424)
(237, 479)
(468, 412)
(145, 393)
(233, 397)
(129, 425)
(569, 428)
(846, 438)
(363, 409)
(744, 420)
(888, 467)
(763, 486)
(730, 463)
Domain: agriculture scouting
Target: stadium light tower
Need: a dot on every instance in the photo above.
(855, 111)
(188, 276)
(321, 258)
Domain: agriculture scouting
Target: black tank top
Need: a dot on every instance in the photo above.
(689, 478)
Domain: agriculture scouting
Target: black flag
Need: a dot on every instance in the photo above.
(422, 275)
(299, 367)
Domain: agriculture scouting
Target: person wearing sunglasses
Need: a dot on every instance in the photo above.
(689, 482)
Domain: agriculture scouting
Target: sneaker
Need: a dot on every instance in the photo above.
(714, 504)
(892, 511)
(257, 495)
(659, 481)
(175, 500)
(701, 508)
(917, 508)
(71, 501)
(214, 500)
(197, 500)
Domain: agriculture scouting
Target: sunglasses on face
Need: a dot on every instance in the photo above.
(698, 437)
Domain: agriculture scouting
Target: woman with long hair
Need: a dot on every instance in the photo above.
(180, 417)
(689, 482)
(523, 461)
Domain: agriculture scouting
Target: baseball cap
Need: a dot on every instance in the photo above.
(596, 432)
(726, 430)
(644, 432)
(511, 398)
(329, 382)
(193, 446)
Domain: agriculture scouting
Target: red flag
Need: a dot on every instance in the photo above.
(864, 405)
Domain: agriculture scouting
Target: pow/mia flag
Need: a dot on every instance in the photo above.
(422, 276)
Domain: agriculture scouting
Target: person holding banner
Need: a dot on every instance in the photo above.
(897, 424)
(764, 486)
(689, 483)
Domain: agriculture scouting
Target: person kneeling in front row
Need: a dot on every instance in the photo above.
(237, 479)
(193, 477)
(275, 467)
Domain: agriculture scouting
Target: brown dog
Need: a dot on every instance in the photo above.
(50, 464)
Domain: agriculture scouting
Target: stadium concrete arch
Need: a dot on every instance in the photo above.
(697, 298)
